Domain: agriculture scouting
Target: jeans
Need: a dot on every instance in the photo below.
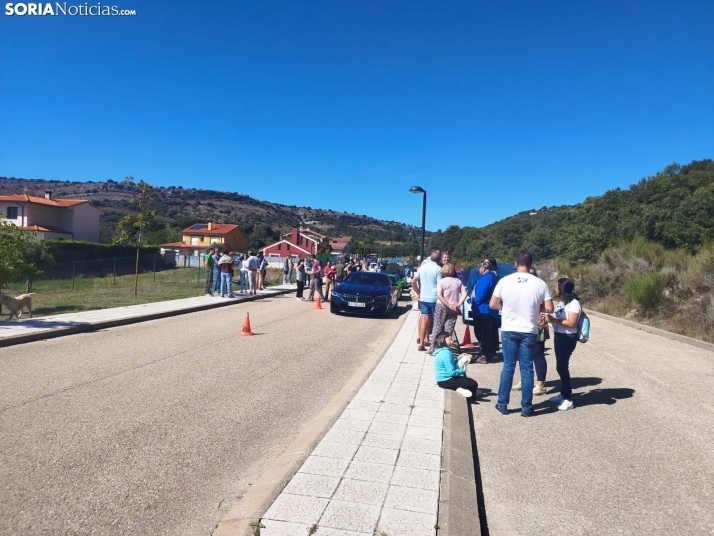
(541, 365)
(225, 283)
(517, 347)
(243, 281)
(315, 286)
(216, 279)
(290, 276)
(564, 346)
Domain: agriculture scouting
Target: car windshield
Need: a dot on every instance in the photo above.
(367, 278)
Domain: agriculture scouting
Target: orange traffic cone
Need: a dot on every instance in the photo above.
(246, 326)
(318, 305)
(467, 339)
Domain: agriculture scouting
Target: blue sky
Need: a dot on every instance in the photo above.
(492, 107)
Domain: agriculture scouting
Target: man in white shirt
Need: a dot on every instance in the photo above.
(521, 298)
(424, 284)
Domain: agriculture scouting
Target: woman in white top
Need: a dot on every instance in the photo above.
(565, 325)
(450, 296)
(244, 273)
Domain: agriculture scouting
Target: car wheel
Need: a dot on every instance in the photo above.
(334, 310)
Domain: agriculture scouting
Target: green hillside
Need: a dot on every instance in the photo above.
(675, 208)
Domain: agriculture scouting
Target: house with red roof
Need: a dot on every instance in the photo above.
(200, 236)
(49, 218)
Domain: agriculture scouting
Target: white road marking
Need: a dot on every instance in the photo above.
(653, 377)
(707, 406)
(615, 358)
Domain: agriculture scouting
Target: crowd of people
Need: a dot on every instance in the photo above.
(519, 304)
(223, 266)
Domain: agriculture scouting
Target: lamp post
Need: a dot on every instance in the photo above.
(420, 190)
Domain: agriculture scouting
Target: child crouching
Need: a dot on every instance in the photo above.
(450, 373)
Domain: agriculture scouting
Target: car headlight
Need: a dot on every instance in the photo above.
(336, 295)
(382, 297)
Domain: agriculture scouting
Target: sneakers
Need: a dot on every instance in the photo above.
(209, 294)
(464, 392)
(516, 387)
(480, 360)
(298, 299)
(557, 399)
(502, 410)
(538, 390)
(527, 413)
(565, 405)
(231, 295)
(430, 351)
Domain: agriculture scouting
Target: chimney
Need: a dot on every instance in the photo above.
(295, 236)
(210, 225)
(48, 194)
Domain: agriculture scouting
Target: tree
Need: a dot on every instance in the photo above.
(133, 227)
(13, 242)
(38, 259)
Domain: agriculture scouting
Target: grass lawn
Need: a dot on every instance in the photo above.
(55, 296)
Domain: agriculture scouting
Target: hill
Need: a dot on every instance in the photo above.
(261, 220)
(674, 208)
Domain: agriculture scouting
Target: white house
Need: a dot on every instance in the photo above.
(68, 219)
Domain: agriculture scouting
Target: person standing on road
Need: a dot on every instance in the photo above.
(291, 270)
(329, 279)
(286, 270)
(216, 271)
(565, 325)
(308, 270)
(521, 297)
(225, 264)
(209, 271)
(339, 271)
(425, 289)
(243, 265)
(316, 279)
(252, 273)
(300, 279)
(483, 316)
(451, 295)
(262, 270)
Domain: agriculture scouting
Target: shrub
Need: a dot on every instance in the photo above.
(646, 291)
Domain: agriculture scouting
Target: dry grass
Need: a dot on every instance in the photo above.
(668, 289)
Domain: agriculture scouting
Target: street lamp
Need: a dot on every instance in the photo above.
(420, 190)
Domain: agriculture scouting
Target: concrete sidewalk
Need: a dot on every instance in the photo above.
(378, 469)
(33, 329)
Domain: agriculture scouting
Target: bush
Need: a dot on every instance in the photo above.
(646, 291)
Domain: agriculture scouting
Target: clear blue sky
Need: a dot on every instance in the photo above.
(493, 107)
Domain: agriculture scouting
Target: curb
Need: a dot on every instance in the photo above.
(654, 331)
(102, 324)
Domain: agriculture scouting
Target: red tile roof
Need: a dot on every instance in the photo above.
(46, 229)
(23, 198)
(217, 229)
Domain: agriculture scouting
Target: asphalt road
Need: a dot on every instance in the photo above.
(159, 427)
(635, 456)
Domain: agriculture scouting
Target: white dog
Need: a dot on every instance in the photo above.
(16, 305)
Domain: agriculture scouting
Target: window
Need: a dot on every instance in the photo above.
(194, 240)
(11, 213)
(201, 238)
(288, 247)
(280, 246)
(215, 240)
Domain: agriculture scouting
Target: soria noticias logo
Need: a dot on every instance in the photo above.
(61, 8)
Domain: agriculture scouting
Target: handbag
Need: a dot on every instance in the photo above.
(466, 311)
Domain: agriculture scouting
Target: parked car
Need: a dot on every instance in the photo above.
(364, 293)
(398, 282)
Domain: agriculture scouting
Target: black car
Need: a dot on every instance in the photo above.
(364, 293)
